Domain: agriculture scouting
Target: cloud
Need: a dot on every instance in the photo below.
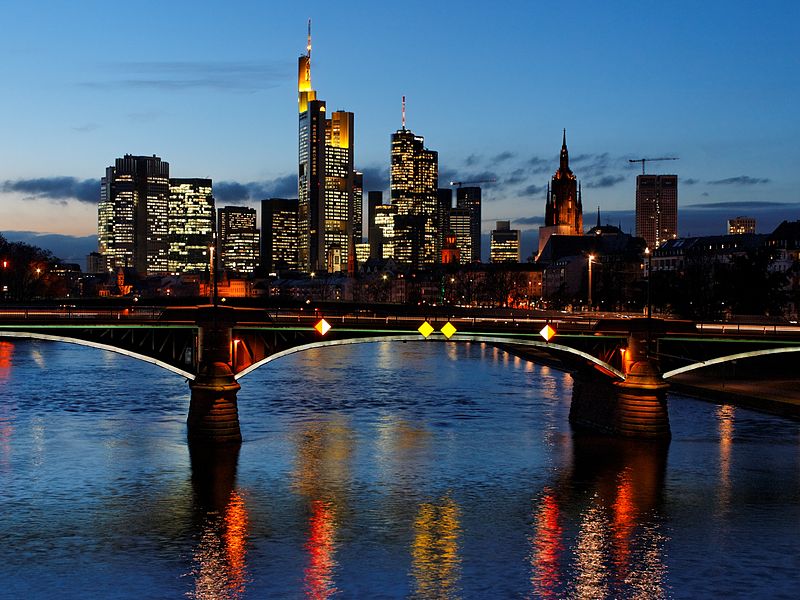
(541, 165)
(530, 221)
(375, 178)
(606, 181)
(740, 180)
(517, 176)
(472, 160)
(55, 188)
(86, 128)
(741, 205)
(171, 76)
(534, 190)
(502, 157)
(234, 192)
(690, 181)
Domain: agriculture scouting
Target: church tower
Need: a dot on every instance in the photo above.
(563, 213)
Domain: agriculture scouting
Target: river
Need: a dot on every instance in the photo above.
(380, 470)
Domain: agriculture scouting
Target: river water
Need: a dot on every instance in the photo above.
(380, 470)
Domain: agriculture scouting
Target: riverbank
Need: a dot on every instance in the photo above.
(774, 396)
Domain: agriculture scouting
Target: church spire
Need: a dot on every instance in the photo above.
(564, 153)
(598, 217)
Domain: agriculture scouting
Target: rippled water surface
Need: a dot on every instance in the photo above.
(379, 471)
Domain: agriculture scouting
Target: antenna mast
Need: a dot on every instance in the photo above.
(308, 46)
(404, 112)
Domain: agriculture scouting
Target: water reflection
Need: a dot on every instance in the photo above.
(322, 476)
(618, 549)
(6, 411)
(220, 558)
(725, 420)
(435, 562)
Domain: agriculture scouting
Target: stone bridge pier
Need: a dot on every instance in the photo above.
(636, 407)
(213, 411)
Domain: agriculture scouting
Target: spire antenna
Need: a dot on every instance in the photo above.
(308, 46)
(404, 112)
(564, 140)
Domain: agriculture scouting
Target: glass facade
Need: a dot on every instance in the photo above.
(238, 239)
(191, 225)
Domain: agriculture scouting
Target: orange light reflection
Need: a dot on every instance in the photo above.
(547, 548)
(321, 547)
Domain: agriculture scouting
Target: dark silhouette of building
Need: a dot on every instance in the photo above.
(469, 198)
(279, 235)
(657, 208)
(444, 204)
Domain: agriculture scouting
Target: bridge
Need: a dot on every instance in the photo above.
(620, 366)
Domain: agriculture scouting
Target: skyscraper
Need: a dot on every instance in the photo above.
(504, 244)
(414, 181)
(191, 225)
(374, 233)
(326, 177)
(133, 213)
(656, 208)
(444, 203)
(279, 235)
(470, 199)
(358, 207)
(384, 238)
(461, 226)
(237, 239)
(563, 213)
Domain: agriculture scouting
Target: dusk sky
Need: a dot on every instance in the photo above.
(211, 88)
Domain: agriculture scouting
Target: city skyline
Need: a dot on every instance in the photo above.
(719, 98)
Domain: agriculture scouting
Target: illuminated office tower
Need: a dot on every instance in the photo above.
(191, 225)
(339, 179)
(385, 215)
(279, 235)
(358, 207)
(237, 239)
(656, 208)
(470, 198)
(326, 183)
(563, 213)
(133, 214)
(414, 181)
(460, 225)
(444, 203)
(504, 244)
(740, 225)
(374, 233)
(311, 169)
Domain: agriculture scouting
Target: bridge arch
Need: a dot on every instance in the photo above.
(612, 371)
(91, 344)
(729, 358)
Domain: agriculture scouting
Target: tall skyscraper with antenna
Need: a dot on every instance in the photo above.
(326, 176)
(414, 183)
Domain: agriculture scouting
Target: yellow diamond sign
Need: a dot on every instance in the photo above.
(547, 332)
(448, 330)
(425, 329)
(322, 327)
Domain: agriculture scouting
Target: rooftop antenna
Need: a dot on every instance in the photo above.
(308, 45)
(404, 113)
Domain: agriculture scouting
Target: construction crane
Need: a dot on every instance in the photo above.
(460, 183)
(647, 160)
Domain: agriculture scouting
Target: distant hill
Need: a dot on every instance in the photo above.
(69, 248)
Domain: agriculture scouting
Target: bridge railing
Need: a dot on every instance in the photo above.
(144, 313)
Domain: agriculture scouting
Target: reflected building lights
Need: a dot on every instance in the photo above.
(547, 548)
(220, 558)
(435, 562)
(591, 574)
(321, 548)
(725, 425)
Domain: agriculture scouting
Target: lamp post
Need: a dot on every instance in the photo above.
(649, 306)
(591, 258)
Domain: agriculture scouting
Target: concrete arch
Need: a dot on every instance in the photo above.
(90, 344)
(418, 338)
(729, 358)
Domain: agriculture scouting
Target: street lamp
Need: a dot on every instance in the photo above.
(649, 307)
(591, 258)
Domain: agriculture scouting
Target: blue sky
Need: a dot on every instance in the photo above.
(211, 88)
